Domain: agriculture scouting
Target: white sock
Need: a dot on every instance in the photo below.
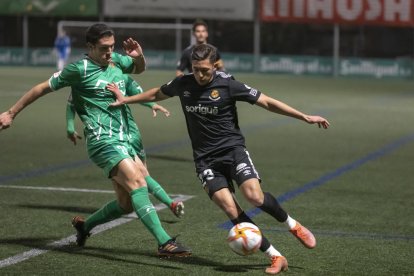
(271, 251)
(290, 222)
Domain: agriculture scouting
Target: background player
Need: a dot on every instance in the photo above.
(200, 33)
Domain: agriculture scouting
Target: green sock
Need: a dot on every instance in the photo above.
(108, 212)
(148, 215)
(156, 190)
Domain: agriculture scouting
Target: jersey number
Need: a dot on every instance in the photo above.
(205, 176)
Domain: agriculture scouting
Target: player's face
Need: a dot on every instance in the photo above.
(200, 34)
(101, 52)
(203, 71)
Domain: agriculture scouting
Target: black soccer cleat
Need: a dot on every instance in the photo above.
(173, 249)
(81, 235)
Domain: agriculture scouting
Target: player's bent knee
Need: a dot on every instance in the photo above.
(136, 183)
(231, 212)
(255, 198)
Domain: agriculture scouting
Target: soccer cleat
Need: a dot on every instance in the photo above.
(177, 207)
(81, 235)
(173, 249)
(303, 235)
(279, 263)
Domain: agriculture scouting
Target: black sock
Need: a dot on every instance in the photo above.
(245, 218)
(272, 207)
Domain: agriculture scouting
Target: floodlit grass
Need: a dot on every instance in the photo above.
(352, 183)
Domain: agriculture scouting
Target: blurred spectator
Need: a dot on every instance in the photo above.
(62, 49)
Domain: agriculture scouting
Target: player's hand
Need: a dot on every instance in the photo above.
(6, 120)
(74, 137)
(120, 99)
(157, 107)
(132, 48)
(322, 122)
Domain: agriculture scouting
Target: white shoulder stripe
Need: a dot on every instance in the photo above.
(50, 85)
(223, 74)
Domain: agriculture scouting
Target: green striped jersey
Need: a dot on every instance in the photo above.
(90, 98)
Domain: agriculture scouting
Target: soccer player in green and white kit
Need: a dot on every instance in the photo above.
(130, 87)
(106, 129)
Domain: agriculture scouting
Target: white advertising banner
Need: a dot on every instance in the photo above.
(192, 9)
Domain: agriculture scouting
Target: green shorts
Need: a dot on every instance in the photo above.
(138, 147)
(106, 155)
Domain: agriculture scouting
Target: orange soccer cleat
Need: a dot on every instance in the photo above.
(303, 235)
(279, 263)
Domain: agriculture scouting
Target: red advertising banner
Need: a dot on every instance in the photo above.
(360, 12)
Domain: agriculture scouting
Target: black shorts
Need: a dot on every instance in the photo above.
(219, 172)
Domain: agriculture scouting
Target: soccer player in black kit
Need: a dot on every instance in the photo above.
(208, 99)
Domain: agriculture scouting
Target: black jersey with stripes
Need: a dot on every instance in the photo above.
(210, 111)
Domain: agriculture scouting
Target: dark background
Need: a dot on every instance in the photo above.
(236, 37)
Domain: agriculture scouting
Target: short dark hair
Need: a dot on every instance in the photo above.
(199, 22)
(204, 51)
(97, 31)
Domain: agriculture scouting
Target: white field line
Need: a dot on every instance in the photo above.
(65, 189)
(57, 189)
(71, 239)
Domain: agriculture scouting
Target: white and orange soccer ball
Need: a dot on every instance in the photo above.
(244, 238)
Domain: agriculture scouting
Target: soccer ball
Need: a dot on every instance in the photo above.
(244, 238)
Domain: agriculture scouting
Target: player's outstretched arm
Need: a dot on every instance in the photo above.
(279, 107)
(151, 95)
(134, 50)
(6, 118)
